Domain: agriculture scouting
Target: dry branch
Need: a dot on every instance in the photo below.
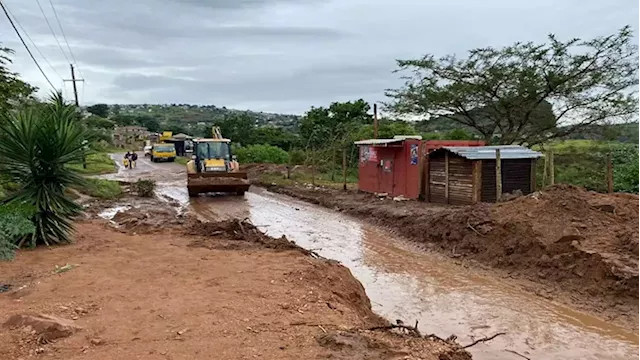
(517, 353)
(412, 329)
(484, 339)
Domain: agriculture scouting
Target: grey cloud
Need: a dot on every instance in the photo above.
(281, 55)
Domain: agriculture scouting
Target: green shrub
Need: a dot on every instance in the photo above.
(100, 188)
(36, 147)
(261, 154)
(297, 157)
(144, 188)
(15, 225)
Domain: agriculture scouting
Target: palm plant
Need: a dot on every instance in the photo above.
(36, 144)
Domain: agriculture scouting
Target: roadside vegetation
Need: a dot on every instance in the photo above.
(97, 164)
(100, 188)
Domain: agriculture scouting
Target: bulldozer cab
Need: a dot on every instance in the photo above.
(212, 150)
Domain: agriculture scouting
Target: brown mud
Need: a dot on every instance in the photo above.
(569, 244)
(185, 293)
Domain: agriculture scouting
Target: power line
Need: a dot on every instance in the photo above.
(55, 13)
(34, 44)
(25, 44)
(52, 32)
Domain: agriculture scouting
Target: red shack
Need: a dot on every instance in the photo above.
(393, 166)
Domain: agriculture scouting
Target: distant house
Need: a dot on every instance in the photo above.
(129, 135)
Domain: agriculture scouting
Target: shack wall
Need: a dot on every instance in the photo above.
(516, 175)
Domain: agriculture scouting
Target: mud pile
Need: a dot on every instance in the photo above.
(235, 235)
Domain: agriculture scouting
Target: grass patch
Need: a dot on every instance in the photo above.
(182, 160)
(101, 189)
(97, 163)
(322, 179)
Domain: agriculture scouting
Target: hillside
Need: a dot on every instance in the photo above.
(186, 114)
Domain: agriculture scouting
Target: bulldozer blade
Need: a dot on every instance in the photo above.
(202, 183)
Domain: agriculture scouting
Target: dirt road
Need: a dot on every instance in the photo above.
(446, 297)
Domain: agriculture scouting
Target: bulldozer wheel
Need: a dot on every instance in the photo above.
(193, 193)
(240, 193)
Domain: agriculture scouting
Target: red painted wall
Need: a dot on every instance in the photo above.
(392, 172)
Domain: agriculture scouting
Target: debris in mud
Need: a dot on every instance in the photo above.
(147, 219)
(4, 287)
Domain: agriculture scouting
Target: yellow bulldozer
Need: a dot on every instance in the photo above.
(213, 168)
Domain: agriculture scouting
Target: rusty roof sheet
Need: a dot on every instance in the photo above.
(378, 141)
(489, 152)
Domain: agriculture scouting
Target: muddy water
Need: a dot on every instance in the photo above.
(403, 283)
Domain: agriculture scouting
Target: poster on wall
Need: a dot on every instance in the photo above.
(387, 165)
(414, 154)
(368, 153)
(373, 154)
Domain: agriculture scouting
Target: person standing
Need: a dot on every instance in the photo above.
(127, 160)
(134, 158)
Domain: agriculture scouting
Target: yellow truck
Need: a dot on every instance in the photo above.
(163, 152)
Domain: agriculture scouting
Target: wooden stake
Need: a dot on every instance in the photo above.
(498, 175)
(344, 170)
(446, 176)
(609, 174)
(552, 170)
(313, 170)
(544, 171)
(375, 121)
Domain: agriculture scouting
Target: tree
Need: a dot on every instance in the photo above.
(237, 127)
(526, 93)
(36, 145)
(321, 127)
(12, 89)
(101, 110)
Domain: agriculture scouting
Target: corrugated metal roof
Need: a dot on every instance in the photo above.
(489, 152)
(378, 141)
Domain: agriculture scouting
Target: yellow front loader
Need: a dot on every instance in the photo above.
(213, 169)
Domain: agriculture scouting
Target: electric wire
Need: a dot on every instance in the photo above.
(64, 36)
(4, 9)
(34, 44)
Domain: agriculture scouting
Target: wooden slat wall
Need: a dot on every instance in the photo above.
(437, 178)
(516, 174)
(460, 180)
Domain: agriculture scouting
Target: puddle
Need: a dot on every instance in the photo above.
(109, 213)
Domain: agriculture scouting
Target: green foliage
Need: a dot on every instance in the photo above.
(151, 123)
(584, 163)
(144, 187)
(261, 154)
(97, 122)
(36, 147)
(322, 127)
(526, 93)
(12, 90)
(297, 157)
(101, 110)
(387, 129)
(237, 127)
(15, 225)
(274, 136)
(458, 134)
(100, 188)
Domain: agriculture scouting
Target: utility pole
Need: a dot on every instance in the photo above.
(75, 94)
(73, 80)
(375, 120)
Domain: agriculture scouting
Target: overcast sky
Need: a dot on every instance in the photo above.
(277, 55)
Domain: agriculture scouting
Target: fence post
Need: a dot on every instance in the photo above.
(609, 173)
(552, 170)
(498, 175)
(313, 169)
(544, 170)
(344, 169)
